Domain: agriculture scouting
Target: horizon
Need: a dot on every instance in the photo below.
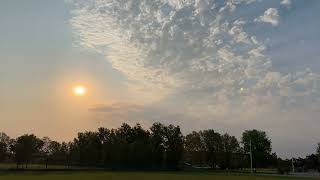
(67, 66)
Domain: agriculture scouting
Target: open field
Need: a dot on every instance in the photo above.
(138, 176)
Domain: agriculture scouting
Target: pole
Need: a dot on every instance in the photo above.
(292, 163)
(251, 161)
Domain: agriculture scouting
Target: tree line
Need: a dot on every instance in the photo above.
(160, 147)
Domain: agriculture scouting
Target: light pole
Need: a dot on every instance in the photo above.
(251, 160)
(292, 163)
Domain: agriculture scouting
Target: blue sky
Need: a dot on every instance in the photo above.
(226, 65)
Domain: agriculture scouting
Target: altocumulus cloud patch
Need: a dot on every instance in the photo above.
(195, 53)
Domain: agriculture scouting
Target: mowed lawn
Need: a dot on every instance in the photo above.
(137, 176)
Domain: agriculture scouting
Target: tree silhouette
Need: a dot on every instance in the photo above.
(230, 150)
(26, 148)
(160, 147)
(213, 145)
(261, 146)
(4, 144)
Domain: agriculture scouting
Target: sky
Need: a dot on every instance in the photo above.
(227, 65)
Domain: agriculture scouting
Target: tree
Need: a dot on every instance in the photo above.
(261, 146)
(312, 162)
(26, 148)
(121, 147)
(157, 144)
(105, 136)
(46, 149)
(87, 148)
(193, 142)
(54, 152)
(318, 156)
(230, 150)
(213, 144)
(4, 146)
(194, 149)
(140, 148)
(173, 145)
(283, 166)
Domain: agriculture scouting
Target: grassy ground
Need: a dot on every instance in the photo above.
(137, 176)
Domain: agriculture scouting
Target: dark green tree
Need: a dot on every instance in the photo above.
(261, 147)
(173, 145)
(194, 149)
(213, 146)
(26, 148)
(229, 152)
(157, 144)
(193, 142)
(57, 153)
(312, 162)
(106, 138)
(140, 148)
(46, 151)
(283, 166)
(87, 149)
(4, 146)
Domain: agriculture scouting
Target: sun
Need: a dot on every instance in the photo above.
(79, 90)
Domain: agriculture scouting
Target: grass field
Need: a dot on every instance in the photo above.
(137, 176)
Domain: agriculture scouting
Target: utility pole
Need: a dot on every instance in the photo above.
(292, 163)
(251, 160)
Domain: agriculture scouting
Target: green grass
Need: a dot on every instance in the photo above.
(137, 176)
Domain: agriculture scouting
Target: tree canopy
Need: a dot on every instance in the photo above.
(160, 147)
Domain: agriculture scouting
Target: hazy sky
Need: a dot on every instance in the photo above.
(229, 65)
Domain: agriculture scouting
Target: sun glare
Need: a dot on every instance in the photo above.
(79, 90)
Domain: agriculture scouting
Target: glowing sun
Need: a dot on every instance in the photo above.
(79, 90)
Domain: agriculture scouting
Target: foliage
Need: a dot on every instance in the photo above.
(160, 147)
(4, 144)
(260, 147)
(25, 148)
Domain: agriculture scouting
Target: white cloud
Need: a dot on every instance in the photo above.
(270, 16)
(190, 64)
(286, 3)
(192, 58)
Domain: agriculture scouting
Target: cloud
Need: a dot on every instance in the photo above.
(286, 3)
(191, 61)
(115, 114)
(270, 16)
(169, 48)
(116, 107)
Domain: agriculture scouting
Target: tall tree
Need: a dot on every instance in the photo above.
(4, 146)
(213, 145)
(89, 147)
(26, 148)
(173, 145)
(157, 144)
(46, 151)
(230, 150)
(123, 138)
(312, 162)
(140, 148)
(193, 142)
(105, 136)
(194, 149)
(260, 146)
